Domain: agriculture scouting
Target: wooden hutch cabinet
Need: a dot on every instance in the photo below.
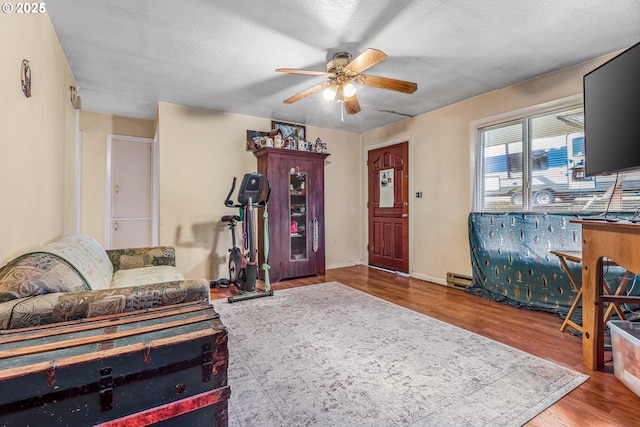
(296, 212)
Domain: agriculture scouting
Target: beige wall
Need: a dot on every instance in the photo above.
(95, 127)
(37, 137)
(200, 151)
(441, 150)
(344, 197)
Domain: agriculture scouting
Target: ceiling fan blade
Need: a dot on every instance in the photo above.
(306, 72)
(387, 83)
(351, 104)
(365, 60)
(307, 92)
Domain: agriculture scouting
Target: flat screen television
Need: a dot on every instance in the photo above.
(612, 115)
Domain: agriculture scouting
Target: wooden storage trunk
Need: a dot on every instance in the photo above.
(166, 365)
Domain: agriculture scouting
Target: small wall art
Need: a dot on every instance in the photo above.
(256, 139)
(290, 129)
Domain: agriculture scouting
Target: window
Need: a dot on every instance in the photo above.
(536, 163)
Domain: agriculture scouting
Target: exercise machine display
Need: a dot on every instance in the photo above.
(243, 264)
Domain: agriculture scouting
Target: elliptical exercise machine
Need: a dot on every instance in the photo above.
(243, 266)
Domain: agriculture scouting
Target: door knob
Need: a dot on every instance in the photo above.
(405, 215)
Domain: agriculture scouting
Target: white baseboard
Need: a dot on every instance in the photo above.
(425, 277)
(431, 279)
(346, 264)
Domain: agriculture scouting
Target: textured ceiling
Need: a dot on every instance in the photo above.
(129, 54)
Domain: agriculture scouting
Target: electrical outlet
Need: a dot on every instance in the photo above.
(419, 195)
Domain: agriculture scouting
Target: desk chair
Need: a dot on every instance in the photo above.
(573, 256)
(613, 299)
(618, 298)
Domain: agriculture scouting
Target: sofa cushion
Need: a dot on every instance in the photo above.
(36, 274)
(127, 258)
(86, 255)
(145, 276)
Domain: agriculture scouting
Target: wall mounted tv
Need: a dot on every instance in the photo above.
(612, 115)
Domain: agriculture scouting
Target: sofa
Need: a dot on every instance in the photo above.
(74, 277)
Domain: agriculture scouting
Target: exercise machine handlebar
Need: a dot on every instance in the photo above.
(259, 204)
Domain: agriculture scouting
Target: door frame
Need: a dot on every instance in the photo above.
(154, 186)
(78, 175)
(366, 150)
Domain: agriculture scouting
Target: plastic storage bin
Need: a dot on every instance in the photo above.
(625, 342)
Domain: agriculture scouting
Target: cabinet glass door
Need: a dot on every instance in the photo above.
(298, 214)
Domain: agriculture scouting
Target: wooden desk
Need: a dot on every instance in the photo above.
(620, 243)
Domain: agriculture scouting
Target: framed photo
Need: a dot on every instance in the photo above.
(251, 135)
(290, 129)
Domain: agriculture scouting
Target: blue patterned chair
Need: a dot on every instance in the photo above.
(74, 278)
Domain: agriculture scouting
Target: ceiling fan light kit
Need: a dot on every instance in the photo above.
(330, 93)
(342, 72)
(349, 90)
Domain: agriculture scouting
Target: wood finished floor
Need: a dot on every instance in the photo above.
(600, 401)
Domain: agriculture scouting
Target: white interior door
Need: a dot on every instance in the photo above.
(130, 163)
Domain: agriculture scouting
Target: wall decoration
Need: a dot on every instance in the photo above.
(386, 188)
(25, 78)
(256, 139)
(290, 130)
(74, 97)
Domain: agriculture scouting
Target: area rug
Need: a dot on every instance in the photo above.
(329, 355)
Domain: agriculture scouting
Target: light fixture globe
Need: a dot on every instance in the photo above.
(349, 90)
(330, 93)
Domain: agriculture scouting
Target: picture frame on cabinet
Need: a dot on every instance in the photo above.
(252, 137)
(290, 129)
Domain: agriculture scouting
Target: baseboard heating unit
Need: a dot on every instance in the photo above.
(458, 280)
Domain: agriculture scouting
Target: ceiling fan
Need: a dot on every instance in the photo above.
(342, 72)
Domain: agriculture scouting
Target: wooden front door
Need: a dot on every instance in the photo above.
(388, 206)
